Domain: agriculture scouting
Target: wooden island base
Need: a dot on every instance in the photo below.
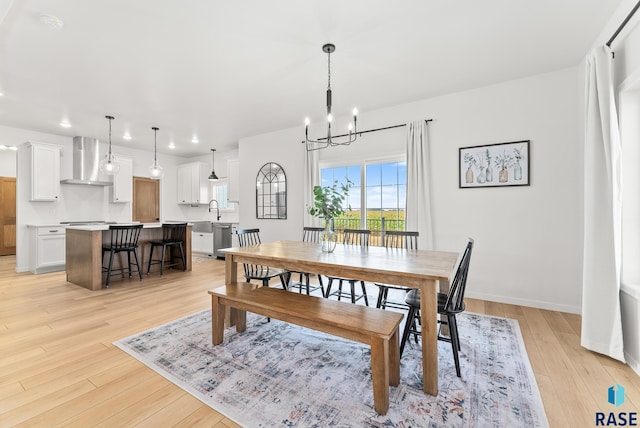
(84, 254)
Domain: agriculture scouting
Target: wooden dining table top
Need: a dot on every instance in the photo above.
(391, 265)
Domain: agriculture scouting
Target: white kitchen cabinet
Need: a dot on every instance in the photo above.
(202, 242)
(233, 172)
(45, 171)
(122, 189)
(50, 249)
(193, 185)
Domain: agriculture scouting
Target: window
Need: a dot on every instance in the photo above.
(377, 198)
(219, 192)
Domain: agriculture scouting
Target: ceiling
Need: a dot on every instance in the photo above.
(223, 70)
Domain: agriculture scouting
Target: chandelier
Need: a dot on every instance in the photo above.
(329, 141)
(108, 164)
(156, 171)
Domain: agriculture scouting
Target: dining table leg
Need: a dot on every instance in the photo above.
(429, 335)
(230, 277)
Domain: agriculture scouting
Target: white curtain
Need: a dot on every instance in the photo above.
(419, 184)
(311, 178)
(601, 318)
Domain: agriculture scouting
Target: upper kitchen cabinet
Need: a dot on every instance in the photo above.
(122, 189)
(233, 189)
(45, 171)
(193, 185)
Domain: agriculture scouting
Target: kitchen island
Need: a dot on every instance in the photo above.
(84, 253)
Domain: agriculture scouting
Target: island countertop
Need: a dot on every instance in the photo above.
(84, 252)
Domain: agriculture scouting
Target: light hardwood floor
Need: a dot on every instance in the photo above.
(58, 366)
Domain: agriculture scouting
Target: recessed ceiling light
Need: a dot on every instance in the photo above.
(1, 94)
(195, 140)
(127, 136)
(172, 145)
(51, 21)
(65, 124)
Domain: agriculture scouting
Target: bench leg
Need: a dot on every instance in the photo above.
(380, 374)
(241, 319)
(394, 359)
(217, 320)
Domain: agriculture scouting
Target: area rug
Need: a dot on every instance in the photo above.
(276, 374)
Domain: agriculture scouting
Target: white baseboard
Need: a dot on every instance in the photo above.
(632, 362)
(20, 269)
(552, 306)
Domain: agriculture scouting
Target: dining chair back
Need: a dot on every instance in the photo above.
(356, 237)
(312, 234)
(122, 238)
(396, 239)
(172, 237)
(449, 304)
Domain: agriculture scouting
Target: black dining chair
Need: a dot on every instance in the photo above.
(351, 237)
(449, 304)
(249, 237)
(396, 240)
(122, 239)
(309, 234)
(172, 237)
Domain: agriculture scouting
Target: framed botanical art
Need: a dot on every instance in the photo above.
(494, 165)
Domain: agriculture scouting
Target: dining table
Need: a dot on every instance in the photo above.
(421, 269)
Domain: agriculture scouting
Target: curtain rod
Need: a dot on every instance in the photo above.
(626, 20)
(371, 130)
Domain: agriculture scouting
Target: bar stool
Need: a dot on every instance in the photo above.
(172, 236)
(123, 238)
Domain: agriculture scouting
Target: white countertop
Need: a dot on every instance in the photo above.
(93, 227)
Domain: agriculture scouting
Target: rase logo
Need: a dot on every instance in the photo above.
(615, 396)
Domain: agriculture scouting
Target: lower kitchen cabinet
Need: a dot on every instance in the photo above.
(49, 244)
(202, 242)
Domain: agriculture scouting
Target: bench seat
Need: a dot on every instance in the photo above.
(374, 327)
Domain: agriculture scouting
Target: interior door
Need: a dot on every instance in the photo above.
(146, 200)
(7, 216)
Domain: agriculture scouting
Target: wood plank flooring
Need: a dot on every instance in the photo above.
(58, 366)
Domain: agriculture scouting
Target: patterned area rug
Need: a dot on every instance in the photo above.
(277, 374)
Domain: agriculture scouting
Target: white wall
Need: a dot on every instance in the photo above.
(528, 239)
(7, 163)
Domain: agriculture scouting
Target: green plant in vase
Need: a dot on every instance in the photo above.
(329, 204)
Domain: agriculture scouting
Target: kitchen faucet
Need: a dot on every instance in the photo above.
(217, 207)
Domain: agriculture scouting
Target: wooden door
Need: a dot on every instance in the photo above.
(7, 216)
(146, 200)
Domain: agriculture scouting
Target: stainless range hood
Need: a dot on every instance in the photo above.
(86, 163)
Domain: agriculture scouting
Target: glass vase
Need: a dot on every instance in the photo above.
(328, 237)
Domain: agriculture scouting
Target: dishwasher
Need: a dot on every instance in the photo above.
(221, 238)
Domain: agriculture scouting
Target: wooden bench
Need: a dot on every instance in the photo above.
(375, 327)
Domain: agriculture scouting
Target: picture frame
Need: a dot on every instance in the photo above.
(494, 165)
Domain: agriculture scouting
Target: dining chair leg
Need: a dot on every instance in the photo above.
(364, 293)
(329, 288)
(352, 285)
(321, 285)
(109, 269)
(150, 258)
(306, 283)
(162, 257)
(455, 342)
(135, 254)
(407, 328)
(381, 289)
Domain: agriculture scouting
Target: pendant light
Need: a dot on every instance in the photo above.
(213, 176)
(108, 164)
(155, 170)
(330, 140)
